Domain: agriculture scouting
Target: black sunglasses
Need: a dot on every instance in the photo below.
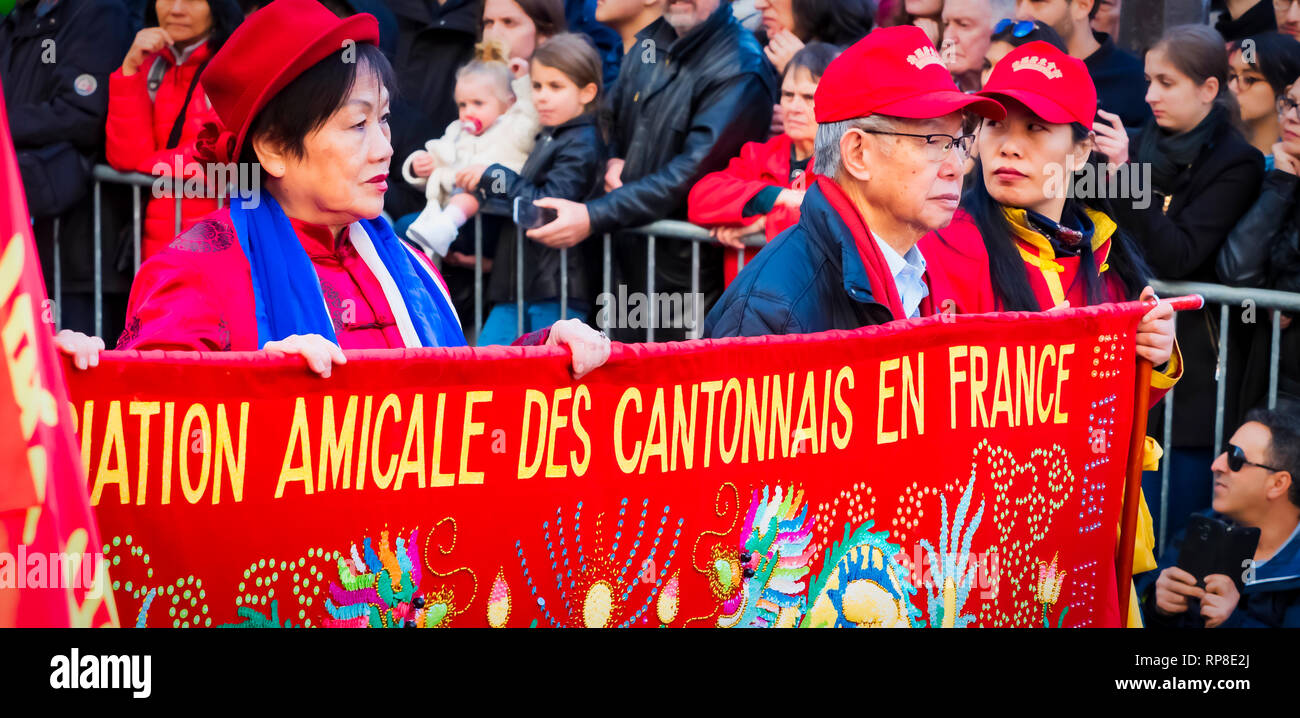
(1237, 459)
(1022, 28)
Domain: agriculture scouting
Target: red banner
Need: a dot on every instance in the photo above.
(951, 471)
(50, 574)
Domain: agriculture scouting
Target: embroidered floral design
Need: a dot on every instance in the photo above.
(862, 585)
(130, 333)
(379, 588)
(208, 235)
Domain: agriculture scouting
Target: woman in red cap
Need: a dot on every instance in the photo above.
(303, 264)
(1027, 240)
(1026, 243)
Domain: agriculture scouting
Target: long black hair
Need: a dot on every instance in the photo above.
(1011, 290)
(226, 16)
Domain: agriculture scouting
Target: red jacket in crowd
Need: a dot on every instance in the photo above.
(718, 198)
(138, 129)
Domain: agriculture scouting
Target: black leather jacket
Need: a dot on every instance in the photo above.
(639, 63)
(710, 95)
(568, 162)
(1263, 250)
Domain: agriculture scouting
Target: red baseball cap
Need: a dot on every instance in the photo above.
(894, 71)
(269, 50)
(1053, 85)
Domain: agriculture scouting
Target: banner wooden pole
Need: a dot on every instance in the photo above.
(1133, 473)
(1133, 486)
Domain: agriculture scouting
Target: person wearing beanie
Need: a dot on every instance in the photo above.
(889, 155)
(302, 262)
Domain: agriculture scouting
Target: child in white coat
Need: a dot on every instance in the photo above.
(497, 124)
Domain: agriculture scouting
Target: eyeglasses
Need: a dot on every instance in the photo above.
(1022, 28)
(1237, 459)
(937, 146)
(1285, 105)
(1283, 5)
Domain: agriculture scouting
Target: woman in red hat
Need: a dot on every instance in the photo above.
(1026, 243)
(304, 263)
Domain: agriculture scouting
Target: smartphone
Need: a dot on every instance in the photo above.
(529, 216)
(1213, 546)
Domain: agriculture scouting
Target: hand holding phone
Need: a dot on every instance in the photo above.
(529, 216)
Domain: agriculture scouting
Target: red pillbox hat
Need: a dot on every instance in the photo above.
(269, 50)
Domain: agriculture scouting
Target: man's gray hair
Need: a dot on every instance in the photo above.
(826, 147)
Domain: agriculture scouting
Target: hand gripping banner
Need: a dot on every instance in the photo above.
(948, 472)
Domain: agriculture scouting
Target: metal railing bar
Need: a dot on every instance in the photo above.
(136, 224)
(650, 287)
(1274, 353)
(478, 276)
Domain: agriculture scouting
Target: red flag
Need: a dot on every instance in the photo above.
(52, 571)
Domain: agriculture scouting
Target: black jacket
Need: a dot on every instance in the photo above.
(433, 41)
(57, 112)
(810, 278)
(568, 162)
(638, 64)
(710, 95)
(1121, 82)
(1263, 250)
(1183, 244)
(1258, 19)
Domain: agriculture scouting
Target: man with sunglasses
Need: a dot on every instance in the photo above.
(1254, 486)
(890, 152)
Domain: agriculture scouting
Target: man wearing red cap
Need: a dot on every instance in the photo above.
(890, 153)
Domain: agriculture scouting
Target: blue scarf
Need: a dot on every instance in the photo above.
(286, 290)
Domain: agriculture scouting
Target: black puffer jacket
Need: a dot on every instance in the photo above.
(709, 95)
(568, 162)
(1208, 198)
(57, 112)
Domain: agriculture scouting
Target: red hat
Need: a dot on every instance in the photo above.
(269, 50)
(1053, 85)
(893, 71)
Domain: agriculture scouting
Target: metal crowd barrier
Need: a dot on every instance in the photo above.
(1226, 297)
(671, 229)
